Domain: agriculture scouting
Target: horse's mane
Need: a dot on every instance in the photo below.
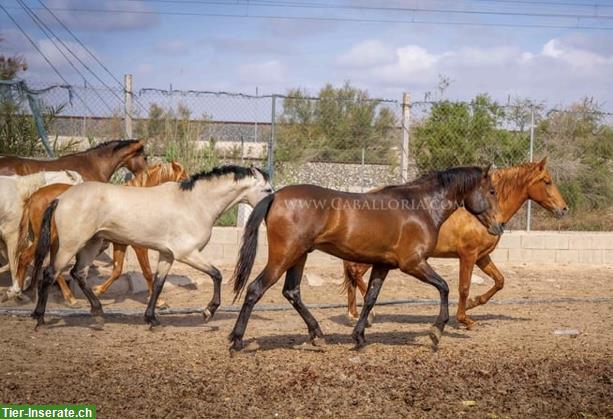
(115, 144)
(461, 179)
(505, 180)
(239, 173)
(161, 172)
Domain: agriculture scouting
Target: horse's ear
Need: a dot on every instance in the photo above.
(256, 173)
(542, 163)
(487, 171)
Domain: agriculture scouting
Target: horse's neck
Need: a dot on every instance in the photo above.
(216, 196)
(105, 162)
(511, 199)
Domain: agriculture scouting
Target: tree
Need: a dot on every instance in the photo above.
(336, 126)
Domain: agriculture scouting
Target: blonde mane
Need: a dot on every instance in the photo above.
(159, 173)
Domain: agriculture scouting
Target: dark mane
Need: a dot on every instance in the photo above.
(115, 144)
(239, 173)
(461, 179)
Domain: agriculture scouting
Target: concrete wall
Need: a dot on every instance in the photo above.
(545, 247)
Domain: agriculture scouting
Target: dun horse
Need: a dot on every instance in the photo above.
(97, 163)
(32, 217)
(463, 237)
(176, 219)
(406, 219)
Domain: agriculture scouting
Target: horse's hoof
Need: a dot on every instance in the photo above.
(40, 320)
(207, 315)
(152, 321)
(435, 335)
(470, 324)
(371, 319)
(236, 346)
(162, 305)
(351, 320)
(318, 342)
(72, 302)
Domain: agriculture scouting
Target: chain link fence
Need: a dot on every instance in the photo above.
(345, 140)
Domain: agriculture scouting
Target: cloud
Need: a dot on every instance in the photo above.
(248, 46)
(366, 54)
(101, 21)
(266, 73)
(560, 71)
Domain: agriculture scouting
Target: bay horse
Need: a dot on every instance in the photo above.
(176, 219)
(14, 191)
(32, 218)
(96, 164)
(463, 237)
(395, 227)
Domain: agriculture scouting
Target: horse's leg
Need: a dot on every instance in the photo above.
(85, 257)
(363, 287)
(142, 255)
(467, 263)
(165, 262)
(25, 258)
(66, 291)
(487, 265)
(198, 261)
(350, 285)
(377, 276)
(255, 290)
(119, 254)
(424, 272)
(291, 291)
(59, 261)
(10, 240)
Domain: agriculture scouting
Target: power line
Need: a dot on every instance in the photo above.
(44, 57)
(78, 58)
(336, 19)
(314, 5)
(48, 33)
(67, 29)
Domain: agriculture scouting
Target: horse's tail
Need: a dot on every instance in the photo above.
(249, 246)
(24, 227)
(44, 240)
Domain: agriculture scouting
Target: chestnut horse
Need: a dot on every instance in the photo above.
(98, 163)
(406, 219)
(461, 236)
(33, 215)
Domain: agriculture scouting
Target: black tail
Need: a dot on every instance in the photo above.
(44, 241)
(249, 246)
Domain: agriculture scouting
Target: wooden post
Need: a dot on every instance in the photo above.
(404, 149)
(127, 80)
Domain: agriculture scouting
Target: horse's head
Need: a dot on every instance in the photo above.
(135, 160)
(544, 192)
(259, 187)
(482, 203)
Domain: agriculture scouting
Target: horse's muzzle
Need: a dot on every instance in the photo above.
(560, 212)
(496, 229)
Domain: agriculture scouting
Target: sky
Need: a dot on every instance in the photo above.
(480, 46)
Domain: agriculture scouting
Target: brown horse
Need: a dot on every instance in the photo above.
(406, 218)
(461, 236)
(97, 164)
(39, 201)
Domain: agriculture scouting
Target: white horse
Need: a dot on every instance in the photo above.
(14, 190)
(176, 219)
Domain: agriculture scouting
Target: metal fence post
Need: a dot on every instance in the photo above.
(531, 156)
(404, 149)
(127, 118)
(271, 140)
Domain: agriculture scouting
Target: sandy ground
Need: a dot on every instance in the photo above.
(511, 365)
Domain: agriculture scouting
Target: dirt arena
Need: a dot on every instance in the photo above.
(511, 365)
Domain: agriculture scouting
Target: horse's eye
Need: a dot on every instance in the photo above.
(547, 182)
(493, 191)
